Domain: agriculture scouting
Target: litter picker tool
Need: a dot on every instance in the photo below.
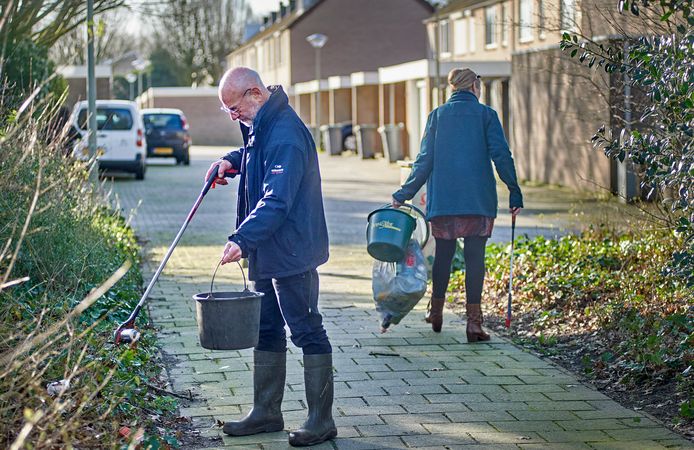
(126, 331)
(510, 275)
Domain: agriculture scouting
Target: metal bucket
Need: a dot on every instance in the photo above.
(228, 320)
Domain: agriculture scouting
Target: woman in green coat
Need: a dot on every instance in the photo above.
(462, 139)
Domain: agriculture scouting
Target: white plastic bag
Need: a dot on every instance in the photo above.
(397, 287)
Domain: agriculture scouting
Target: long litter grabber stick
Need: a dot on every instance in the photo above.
(126, 332)
(510, 275)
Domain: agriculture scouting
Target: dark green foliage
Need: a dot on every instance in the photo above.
(659, 63)
(165, 70)
(59, 232)
(25, 67)
(605, 293)
(121, 88)
(45, 22)
(73, 242)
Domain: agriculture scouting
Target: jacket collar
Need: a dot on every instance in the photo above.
(463, 96)
(278, 101)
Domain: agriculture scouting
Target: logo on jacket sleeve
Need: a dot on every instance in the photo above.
(277, 170)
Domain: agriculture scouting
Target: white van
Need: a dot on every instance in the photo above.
(120, 139)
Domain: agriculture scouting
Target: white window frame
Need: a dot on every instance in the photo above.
(568, 15)
(460, 37)
(504, 24)
(471, 31)
(444, 38)
(490, 27)
(542, 18)
(278, 48)
(525, 21)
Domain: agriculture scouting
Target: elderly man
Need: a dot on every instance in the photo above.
(281, 229)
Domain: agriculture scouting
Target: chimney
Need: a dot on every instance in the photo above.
(265, 20)
(283, 9)
(292, 6)
(274, 16)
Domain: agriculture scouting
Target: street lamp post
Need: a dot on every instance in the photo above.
(317, 41)
(140, 65)
(131, 78)
(437, 47)
(91, 91)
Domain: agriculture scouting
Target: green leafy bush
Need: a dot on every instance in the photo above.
(58, 241)
(656, 60)
(26, 66)
(605, 293)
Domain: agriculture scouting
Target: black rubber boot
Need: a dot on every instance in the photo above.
(269, 373)
(318, 379)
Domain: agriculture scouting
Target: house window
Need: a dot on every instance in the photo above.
(490, 26)
(443, 36)
(279, 50)
(460, 36)
(541, 16)
(568, 15)
(526, 21)
(504, 24)
(471, 29)
(268, 54)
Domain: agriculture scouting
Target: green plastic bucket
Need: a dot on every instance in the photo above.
(388, 233)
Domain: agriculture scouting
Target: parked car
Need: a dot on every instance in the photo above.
(167, 134)
(120, 137)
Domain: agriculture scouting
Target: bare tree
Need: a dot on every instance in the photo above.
(44, 22)
(111, 40)
(199, 34)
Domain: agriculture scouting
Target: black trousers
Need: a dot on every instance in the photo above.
(473, 253)
(292, 301)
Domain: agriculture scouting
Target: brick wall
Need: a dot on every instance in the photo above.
(363, 35)
(208, 125)
(556, 107)
(77, 90)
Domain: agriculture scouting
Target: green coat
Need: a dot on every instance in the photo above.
(462, 139)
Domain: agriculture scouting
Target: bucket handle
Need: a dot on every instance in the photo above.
(419, 211)
(214, 274)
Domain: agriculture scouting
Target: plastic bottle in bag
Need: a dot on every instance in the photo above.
(398, 287)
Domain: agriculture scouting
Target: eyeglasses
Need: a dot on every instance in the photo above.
(234, 109)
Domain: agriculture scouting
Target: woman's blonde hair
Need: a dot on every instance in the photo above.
(463, 79)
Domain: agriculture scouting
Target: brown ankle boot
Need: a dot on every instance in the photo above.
(435, 313)
(474, 329)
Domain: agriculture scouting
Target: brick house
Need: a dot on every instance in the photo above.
(461, 34)
(208, 125)
(558, 103)
(363, 35)
(549, 104)
(76, 78)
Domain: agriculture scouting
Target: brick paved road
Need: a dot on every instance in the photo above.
(434, 392)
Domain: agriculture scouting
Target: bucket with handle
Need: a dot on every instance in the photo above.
(389, 231)
(228, 320)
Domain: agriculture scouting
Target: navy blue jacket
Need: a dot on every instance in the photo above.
(280, 219)
(461, 140)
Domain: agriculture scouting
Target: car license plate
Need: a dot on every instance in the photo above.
(163, 151)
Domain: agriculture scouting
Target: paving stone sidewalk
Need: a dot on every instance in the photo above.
(408, 388)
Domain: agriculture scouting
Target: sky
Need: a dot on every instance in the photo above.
(261, 7)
